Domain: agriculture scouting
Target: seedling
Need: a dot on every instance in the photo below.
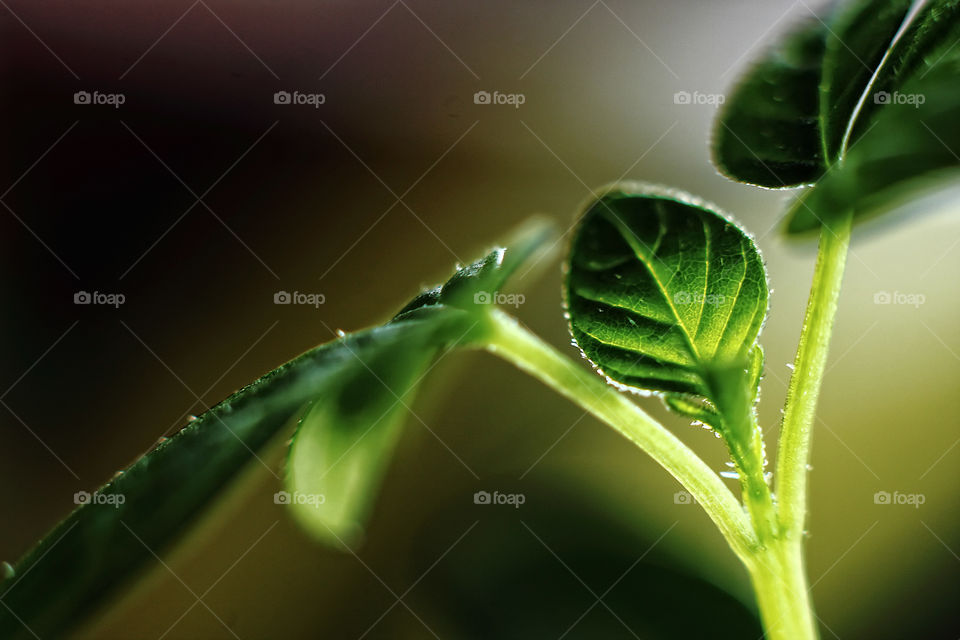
(665, 295)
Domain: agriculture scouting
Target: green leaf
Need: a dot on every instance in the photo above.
(475, 286)
(858, 38)
(163, 492)
(344, 441)
(663, 291)
(767, 132)
(785, 123)
(912, 144)
(928, 40)
(142, 511)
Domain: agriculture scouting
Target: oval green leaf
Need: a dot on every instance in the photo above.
(663, 290)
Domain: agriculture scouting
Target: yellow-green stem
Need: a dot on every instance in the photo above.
(506, 338)
(800, 408)
(779, 581)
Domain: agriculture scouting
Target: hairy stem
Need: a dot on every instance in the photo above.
(779, 581)
(799, 412)
(506, 338)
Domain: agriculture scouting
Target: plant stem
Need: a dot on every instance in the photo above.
(800, 408)
(505, 337)
(779, 580)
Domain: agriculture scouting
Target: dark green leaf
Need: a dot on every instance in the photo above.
(73, 567)
(345, 439)
(858, 38)
(767, 132)
(910, 149)
(930, 39)
(83, 560)
(474, 286)
(785, 123)
(661, 291)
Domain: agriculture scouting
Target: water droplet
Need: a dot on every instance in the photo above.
(733, 475)
(768, 476)
(790, 366)
(341, 333)
(118, 474)
(716, 433)
(191, 418)
(809, 467)
(730, 464)
(7, 570)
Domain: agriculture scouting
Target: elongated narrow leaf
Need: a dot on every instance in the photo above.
(141, 512)
(344, 441)
(784, 124)
(478, 285)
(661, 291)
(343, 444)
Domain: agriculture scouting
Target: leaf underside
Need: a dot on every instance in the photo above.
(821, 107)
(661, 290)
(905, 148)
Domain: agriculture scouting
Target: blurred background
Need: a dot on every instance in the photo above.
(148, 153)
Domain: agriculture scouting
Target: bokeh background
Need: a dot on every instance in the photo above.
(199, 197)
